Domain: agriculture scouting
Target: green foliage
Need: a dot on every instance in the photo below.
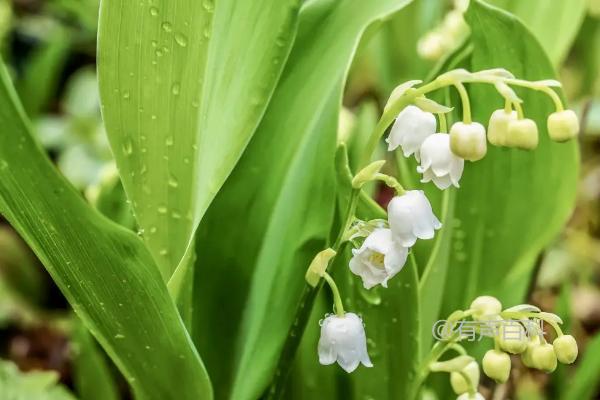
(38, 385)
(177, 139)
(105, 271)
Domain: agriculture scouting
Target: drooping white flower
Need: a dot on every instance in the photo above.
(411, 128)
(411, 217)
(378, 259)
(438, 163)
(343, 340)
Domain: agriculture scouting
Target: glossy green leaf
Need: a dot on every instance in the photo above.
(178, 108)
(283, 191)
(513, 202)
(554, 23)
(93, 379)
(105, 271)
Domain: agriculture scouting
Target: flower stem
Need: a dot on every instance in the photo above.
(466, 102)
(337, 299)
(443, 123)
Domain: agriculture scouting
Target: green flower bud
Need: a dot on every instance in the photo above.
(544, 358)
(496, 365)
(460, 384)
(563, 125)
(468, 141)
(522, 134)
(565, 348)
(526, 355)
(498, 126)
(485, 307)
(513, 337)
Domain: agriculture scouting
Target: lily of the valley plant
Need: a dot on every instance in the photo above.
(385, 246)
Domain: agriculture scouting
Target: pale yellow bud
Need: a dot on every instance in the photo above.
(563, 125)
(544, 358)
(522, 134)
(566, 349)
(468, 141)
(458, 382)
(485, 307)
(513, 337)
(496, 365)
(498, 126)
(526, 355)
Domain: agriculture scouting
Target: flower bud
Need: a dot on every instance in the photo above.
(498, 126)
(496, 365)
(526, 355)
(523, 134)
(544, 358)
(565, 348)
(468, 141)
(458, 382)
(563, 125)
(485, 307)
(513, 337)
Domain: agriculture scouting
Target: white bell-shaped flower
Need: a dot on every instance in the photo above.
(411, 217)
(411, 128)
(378, 259)
(438, 163)
(343, 340)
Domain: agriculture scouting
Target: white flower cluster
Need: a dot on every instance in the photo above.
(441, 156)
(380, 257)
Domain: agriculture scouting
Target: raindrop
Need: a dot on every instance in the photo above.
(173, 182)
(163, 252)
(119, 336)
(175, 89)
(126, 95)
(153, 229)
(162, 210)
(154, 43)
(181, 39)
(158, 52)
(169, 141)
(175, 215)
(153, 11)
(208, 5)
(166, 26)
(3, 164)
(127, 147)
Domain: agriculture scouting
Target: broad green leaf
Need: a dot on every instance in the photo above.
(554, 23)
(513, 202)
(178, 108)
(105, 271)
(274, 213)
(91, 373)
(38, 385)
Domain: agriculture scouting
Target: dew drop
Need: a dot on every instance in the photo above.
(153, 11)
(154, 43)
(127, 147)
(126, 95)
(166, 26)
(175, 89)
(119, 336)
(163, 252)
(3, 164)
(158, 52)
(173, 182)
(162, 210)
(169, 141)
(208, 5)
(181, 40)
